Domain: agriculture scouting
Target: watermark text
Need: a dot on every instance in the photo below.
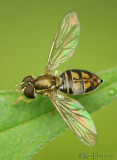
(95, 155)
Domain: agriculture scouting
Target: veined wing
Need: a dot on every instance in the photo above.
(76, 117)
(65, 41)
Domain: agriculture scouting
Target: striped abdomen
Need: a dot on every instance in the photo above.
(79, 81)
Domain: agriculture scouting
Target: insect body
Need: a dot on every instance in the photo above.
(70, 82)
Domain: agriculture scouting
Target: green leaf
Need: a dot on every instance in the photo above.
(25, 128)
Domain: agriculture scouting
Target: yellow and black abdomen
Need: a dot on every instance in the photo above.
(79, 82)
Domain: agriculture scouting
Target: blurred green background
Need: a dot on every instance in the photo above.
(27, 28)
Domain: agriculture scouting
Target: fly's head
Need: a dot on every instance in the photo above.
(28, 87)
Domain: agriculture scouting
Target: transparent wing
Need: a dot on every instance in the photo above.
(76, 117)
(65, 41)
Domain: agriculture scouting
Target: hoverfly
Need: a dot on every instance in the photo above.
(73, 82)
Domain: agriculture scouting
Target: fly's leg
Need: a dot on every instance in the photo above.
(23, 99)
(53, 112)
(56, 72)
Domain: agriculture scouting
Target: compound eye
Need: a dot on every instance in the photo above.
(29, 91)
(28, 79)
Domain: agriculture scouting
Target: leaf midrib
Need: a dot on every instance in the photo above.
(25, 122)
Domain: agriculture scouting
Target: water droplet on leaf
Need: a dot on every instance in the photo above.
(112, 91)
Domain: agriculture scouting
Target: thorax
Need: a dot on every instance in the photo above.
(46, 82)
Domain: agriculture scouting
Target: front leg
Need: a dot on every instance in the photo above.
(23, 99)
